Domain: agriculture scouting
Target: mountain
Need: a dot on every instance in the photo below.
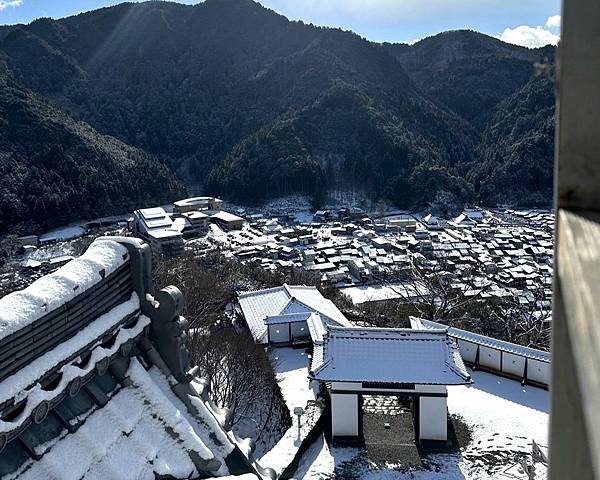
(469, 72)
(54, 169)
(517, 148)
(237, 98)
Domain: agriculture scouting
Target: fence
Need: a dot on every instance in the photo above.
(508, 359)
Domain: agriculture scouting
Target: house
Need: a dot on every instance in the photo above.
(352, 362)
(95, 380)
(463, 220)
(432, 222)
(227, 221)
(282, 315)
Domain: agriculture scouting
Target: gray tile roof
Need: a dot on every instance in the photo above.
(476, 338)
(425, 357)
(258, 305)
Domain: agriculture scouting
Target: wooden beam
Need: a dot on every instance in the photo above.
(575, 422)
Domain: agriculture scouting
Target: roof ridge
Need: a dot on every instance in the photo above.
(248, 293)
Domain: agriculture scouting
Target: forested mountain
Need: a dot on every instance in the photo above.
(54, 169)
(236, 97)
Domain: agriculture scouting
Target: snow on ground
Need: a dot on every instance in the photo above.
(504, 414)
(374, 293)
(217, 235)
(504, 418)
(63, 233)
(292, 374)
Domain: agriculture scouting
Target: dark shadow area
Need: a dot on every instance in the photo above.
(390, 439)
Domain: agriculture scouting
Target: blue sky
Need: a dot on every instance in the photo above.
(525, 22)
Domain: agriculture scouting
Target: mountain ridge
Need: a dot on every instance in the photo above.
(196, 86)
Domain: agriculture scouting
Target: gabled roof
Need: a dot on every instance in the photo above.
(426, 357)
(259, 305)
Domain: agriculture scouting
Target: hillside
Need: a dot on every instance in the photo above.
(54, 170)
(253, 106)
(469, 72)
(516, 147)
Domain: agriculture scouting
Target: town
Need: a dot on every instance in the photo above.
(498, 256)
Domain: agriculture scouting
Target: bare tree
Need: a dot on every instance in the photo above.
(205, 296)
(436, 293)
(523, 322)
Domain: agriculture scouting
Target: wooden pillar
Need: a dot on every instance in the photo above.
(575, 388)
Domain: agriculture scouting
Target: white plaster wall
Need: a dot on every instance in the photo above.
(433, 418)
(344, 415)
(468, 350)
(538, 371)
(488, 357)
(279, 333)
(513, 364)
(300, 330)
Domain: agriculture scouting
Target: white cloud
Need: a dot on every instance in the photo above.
(553, 21)
(529, 36)
(10, 3)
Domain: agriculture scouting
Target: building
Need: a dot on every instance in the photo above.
(284, 315)
(463, 220)
(227, 221)
(432, 222)
(156, 227)
(420, 364)
(95, 380)
(196, 204)
(199, 220)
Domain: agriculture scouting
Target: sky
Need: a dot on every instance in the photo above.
(530, 23)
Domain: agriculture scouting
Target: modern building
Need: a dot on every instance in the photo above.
(199, 220)
(156, 227)
(195, 204)
(227, 221)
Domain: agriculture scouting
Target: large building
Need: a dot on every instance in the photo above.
(195, 204)
(227, 221)
(156, 227)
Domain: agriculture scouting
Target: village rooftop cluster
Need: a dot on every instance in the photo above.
(490, 254)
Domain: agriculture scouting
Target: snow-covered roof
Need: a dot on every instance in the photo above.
(316, 328)
(92, 405)
(426, 357)
(22, 308)
(460, 334)
(464, 219)
(195, 201)
(143, 432)
(226, 216)
(431, 219)
(287, 299)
